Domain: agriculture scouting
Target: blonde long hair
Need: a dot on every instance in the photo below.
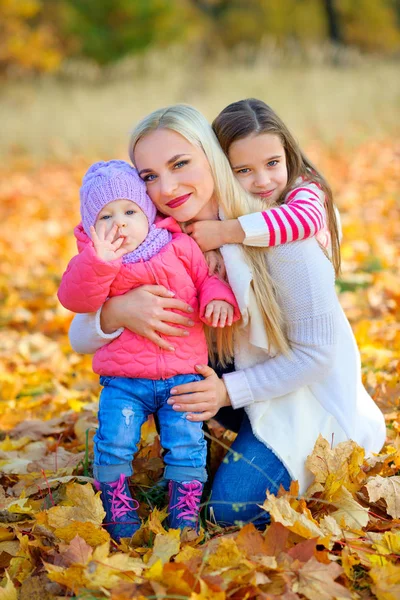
(234, 200)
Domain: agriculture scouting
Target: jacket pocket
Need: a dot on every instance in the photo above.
(105, 380)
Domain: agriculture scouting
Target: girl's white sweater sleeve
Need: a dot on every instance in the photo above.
(302, 216)
(86, 335)
(304, 280)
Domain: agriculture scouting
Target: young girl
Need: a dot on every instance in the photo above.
(269, 164)
(120, 248)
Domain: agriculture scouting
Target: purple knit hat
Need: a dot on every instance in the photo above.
(108, 181)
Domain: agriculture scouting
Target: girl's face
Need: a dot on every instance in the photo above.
(259, 164)
(177, 175)
(132, 223)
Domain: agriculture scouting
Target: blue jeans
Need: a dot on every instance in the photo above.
(243, 478)
(124, 406)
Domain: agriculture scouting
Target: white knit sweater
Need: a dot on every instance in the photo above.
(317, 389)
(289, 399)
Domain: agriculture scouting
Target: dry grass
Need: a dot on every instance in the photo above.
(85, 111)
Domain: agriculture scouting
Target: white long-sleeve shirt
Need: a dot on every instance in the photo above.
(301, 216)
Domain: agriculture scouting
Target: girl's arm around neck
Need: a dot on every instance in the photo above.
(302, 216)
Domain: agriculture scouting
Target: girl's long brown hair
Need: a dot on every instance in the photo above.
(248, 117)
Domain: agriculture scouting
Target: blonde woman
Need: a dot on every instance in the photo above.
(297, 365)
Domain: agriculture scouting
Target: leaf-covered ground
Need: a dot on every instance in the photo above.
(342, 541)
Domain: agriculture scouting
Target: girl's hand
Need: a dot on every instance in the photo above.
(213, 234)
(147, 311)
(106, 247)
(200, 399)
(216, 265)
(219, 313)
(207, 234)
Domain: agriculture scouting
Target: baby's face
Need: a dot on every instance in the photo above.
(131, 221)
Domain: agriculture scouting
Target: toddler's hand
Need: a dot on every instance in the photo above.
(219, 313)
(104, 246)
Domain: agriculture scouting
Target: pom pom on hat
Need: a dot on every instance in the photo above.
(105, 182)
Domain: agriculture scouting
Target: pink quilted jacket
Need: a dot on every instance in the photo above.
(180, 266)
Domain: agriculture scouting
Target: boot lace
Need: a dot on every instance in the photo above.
(121, 503)
(189, 500)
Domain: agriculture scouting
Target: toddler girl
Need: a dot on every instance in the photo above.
(120, 248)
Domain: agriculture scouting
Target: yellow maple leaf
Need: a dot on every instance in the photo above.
(349, 560)
(100, 570)
(155, 572)
(105, 571)
(349, 513)
(387, 488)
(387, 543)
(225, 554)
(334, 468)
(165, 546)
(94, 535)
(74, 577)
(156, 517)
(83, 505)
(6, 534)
(281, 512)
(21, 566)
(8, 445)
(386, 580)
(8, 592)
(207, 593)
(188, 553)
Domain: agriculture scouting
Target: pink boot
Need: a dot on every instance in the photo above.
(184, 504)
(121, 518)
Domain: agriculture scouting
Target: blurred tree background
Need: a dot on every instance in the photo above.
(76, 74)
(38, 35)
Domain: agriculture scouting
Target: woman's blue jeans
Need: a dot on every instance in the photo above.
(241, 482)
(124, 406)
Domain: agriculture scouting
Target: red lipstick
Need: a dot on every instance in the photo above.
(178, 201)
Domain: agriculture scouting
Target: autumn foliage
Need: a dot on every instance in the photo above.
(37, 36)
(341, 541)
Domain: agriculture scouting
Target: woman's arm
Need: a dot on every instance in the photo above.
(86, 335)
(146, 310)
(305, 280)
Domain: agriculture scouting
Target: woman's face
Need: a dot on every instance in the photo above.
(177, 175)
(259, 164)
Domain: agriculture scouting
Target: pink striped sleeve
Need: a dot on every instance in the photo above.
(302, 216)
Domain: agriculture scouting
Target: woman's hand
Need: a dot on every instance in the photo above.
(200, 399)
(147, 311)
(210, 235)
